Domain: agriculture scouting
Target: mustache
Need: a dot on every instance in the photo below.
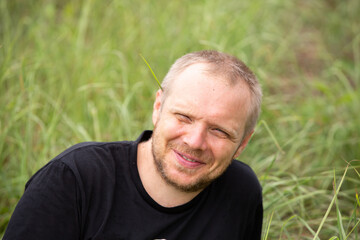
(197, 153)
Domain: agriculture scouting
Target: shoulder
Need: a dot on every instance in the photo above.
(95, 159)
(94, 147)
(88, 152)
(241, 171)
(240, 180)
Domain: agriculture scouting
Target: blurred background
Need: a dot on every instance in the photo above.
(71, 71)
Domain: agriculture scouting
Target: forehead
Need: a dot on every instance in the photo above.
(195, 72)
(204, 75)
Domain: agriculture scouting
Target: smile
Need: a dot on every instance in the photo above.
(187, 161)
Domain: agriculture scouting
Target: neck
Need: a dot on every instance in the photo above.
(158, 189)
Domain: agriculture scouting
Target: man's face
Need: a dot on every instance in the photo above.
(198, 128)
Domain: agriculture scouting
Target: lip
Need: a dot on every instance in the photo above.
(185, 163)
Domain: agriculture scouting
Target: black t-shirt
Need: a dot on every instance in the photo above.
(93, 191)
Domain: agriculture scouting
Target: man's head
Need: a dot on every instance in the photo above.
(203, 118)
(226, 67)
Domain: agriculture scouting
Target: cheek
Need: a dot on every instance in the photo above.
(223, 153)
(170, 127)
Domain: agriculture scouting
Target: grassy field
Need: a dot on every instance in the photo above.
(70, 71)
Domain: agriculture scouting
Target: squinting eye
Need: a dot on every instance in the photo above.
(220, 132)
(183, 118)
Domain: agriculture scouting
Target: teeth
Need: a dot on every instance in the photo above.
(187, 159)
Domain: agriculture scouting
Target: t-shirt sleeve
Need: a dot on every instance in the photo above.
(246, 187)
(257, 223)
(48, 208)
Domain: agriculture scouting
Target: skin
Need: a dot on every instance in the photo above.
(199, 129)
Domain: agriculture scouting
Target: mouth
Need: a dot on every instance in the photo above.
(187, 161)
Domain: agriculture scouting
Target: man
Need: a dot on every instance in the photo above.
(178, 182)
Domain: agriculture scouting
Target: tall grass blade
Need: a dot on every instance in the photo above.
(272, 136)
(151, 71)
(284, 224)
(268, 226)
(308, 228)
(352, 229)
(338, 214)
(83, 23)
(331, 204)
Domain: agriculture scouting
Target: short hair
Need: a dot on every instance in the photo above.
(226, 65)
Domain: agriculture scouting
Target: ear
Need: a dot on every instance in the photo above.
(243, 144)
(157, 106)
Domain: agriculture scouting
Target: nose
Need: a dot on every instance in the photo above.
(195, 138)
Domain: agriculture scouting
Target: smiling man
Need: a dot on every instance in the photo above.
(178, 182)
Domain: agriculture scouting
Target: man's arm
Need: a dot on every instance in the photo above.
(258, 221)
(48, 209)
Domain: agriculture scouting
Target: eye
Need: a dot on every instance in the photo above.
(183, 118)
(220, 133)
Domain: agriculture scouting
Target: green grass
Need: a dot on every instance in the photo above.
(71, 71)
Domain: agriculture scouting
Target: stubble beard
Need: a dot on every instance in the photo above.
(161, 165)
